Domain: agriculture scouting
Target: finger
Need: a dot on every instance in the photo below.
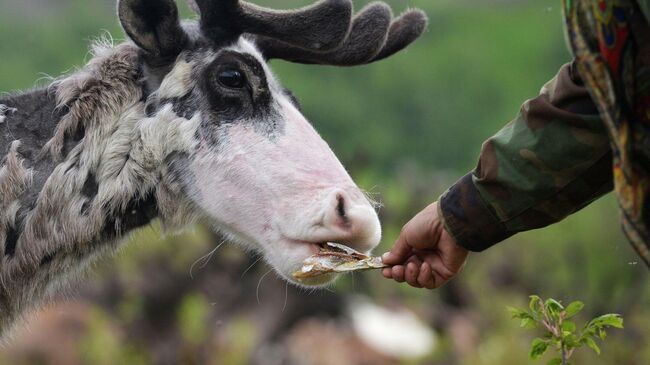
(398, 273)
(415, 259)
(441, 274)
(388, 274)
(398, 254)
(425, 279)
(411, 275)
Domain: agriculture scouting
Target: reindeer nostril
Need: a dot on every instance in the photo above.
(340, 208)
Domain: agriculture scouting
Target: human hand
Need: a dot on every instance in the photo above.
(424, 255)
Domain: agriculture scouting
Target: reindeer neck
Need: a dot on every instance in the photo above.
(81, 166)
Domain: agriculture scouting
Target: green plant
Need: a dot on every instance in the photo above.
(559, 331)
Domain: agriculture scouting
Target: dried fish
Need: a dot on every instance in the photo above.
(336, 258)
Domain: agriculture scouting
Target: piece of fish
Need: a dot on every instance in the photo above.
(336, 258)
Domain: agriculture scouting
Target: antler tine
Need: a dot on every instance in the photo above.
(403, 31)
(366, 39)
(357, 49)
(320, 27)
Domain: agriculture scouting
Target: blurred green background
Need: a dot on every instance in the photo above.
(406, 128)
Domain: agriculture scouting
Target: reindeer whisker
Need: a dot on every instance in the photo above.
(373, 197)
(250, 267)
(257, 291)
(286, 295)
(205, 259)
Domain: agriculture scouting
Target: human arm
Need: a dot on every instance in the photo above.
(550, 161)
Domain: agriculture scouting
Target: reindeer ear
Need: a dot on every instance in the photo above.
(153, 25)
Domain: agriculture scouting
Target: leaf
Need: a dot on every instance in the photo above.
(612, 320)
(591, 344)
(553, 304)
(528, 323)
(535, 306)
(589, 330)
(556, 361)
(571, 340)
(573, 309)
(569, 326)
(518, 313)
(602, 334)
(538, 348)
(554, 308)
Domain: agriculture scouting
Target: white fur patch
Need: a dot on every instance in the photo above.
(178, 82)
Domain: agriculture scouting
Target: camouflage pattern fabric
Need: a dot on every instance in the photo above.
(557, 155)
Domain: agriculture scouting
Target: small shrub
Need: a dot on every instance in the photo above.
(560, 332)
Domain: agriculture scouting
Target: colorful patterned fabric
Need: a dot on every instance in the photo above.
(587, 131)
(610, 42)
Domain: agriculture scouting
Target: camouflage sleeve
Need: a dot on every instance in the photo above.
(550, 161)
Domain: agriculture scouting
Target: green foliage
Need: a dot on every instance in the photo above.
(560, 333)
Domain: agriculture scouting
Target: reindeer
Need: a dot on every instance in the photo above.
(184, 123)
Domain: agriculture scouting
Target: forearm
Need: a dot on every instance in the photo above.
(549, 162)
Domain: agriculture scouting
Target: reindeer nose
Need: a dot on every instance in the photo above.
(352, 220)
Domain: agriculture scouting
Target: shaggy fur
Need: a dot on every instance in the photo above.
(118, 165)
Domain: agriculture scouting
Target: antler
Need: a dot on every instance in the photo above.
(374, 36)
(321, 26)
(323, 33)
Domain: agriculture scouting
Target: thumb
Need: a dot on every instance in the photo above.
(422, 232)
(399, 253)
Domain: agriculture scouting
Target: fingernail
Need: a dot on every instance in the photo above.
(385, 256)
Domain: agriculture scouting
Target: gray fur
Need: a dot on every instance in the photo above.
(112, 180)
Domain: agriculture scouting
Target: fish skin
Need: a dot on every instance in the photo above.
(337, 258)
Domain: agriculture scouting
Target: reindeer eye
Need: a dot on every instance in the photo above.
(231, 78)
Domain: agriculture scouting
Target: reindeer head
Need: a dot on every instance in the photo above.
(257, 170)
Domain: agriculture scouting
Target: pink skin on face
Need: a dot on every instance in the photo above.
(282, 195)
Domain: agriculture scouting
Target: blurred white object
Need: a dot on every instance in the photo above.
(395, 333)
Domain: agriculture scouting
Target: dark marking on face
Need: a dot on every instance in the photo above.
(184, 107)
(234, 89)
(251, 99)
(11, 241)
